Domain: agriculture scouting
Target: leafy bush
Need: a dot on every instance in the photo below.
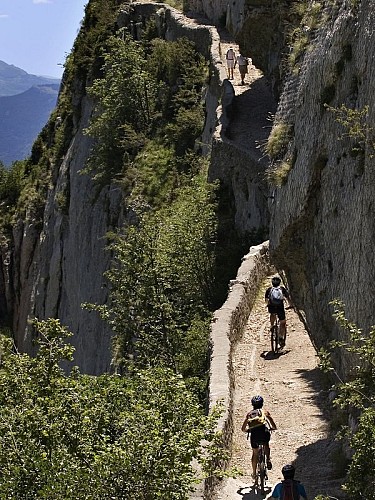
(355, 123)
(153, 175)
(80, 437)
(125, 102)
(356, 395)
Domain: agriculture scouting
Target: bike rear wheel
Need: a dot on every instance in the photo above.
(275, 338)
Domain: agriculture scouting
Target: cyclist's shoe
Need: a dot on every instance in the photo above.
(269, 464)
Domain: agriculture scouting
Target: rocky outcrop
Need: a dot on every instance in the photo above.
(322, 229)
(61, 267)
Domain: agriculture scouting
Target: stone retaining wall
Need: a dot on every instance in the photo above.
(226, 330)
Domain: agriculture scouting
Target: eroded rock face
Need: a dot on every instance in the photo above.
(50, 271)
(59, 268)
(322, 219)
(323, 225)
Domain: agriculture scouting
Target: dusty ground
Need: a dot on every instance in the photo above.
(295, 394)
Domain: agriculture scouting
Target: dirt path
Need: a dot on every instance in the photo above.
(292, 387)
(253, 105)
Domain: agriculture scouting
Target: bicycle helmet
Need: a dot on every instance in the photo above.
(276, 281)
(257, 401)
(288, 471)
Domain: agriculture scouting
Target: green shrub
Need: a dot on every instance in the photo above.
(72, 436)
(356, 395)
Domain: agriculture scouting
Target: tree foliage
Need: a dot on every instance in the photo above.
(148, 92)
(161, 284)
(125, 105)
(356, 395)
(71, 436)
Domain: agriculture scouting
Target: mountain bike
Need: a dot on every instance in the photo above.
(275, 336)
(261, 470)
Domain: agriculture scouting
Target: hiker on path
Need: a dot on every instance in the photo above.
(243, 63)
(231, 61)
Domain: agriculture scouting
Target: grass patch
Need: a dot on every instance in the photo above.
(278, 140)
(277, 175)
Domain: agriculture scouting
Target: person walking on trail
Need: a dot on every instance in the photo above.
(258, 424)
(275, 296)
(289, 488)
(231, 59)
(243, 63)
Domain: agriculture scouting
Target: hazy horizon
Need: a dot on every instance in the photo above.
(37, 35)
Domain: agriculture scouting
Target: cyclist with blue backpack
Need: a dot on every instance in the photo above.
(289, 488)
(275, 296)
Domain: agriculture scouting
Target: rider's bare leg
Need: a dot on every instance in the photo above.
(272, 319)
(282, 328)
(254, 460)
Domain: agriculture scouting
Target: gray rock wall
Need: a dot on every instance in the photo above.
(322, 229)
(229, 13)
(62, 266)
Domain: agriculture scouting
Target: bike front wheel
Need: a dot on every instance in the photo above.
(262, 477)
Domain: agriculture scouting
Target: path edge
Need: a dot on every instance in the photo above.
(227, 328)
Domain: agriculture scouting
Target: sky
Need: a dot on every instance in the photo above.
(37, 35)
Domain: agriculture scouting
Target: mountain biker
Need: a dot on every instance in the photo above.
(289, 488)
(261, 433)
(274, 297)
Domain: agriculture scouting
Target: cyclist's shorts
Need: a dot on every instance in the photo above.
(259, 435)
(280, 311)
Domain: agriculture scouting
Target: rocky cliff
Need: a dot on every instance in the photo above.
(52, 271)
(322, 230)
(322, 212)
(49, 269)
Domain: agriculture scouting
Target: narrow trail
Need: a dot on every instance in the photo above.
(253, 104)
(294, 393)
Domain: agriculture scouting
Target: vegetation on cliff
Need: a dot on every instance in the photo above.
(96, 437)
(68, 436)
(355, 396)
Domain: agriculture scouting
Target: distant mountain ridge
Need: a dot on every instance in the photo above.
(15, 80)
(22, 117)
(26, 102)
